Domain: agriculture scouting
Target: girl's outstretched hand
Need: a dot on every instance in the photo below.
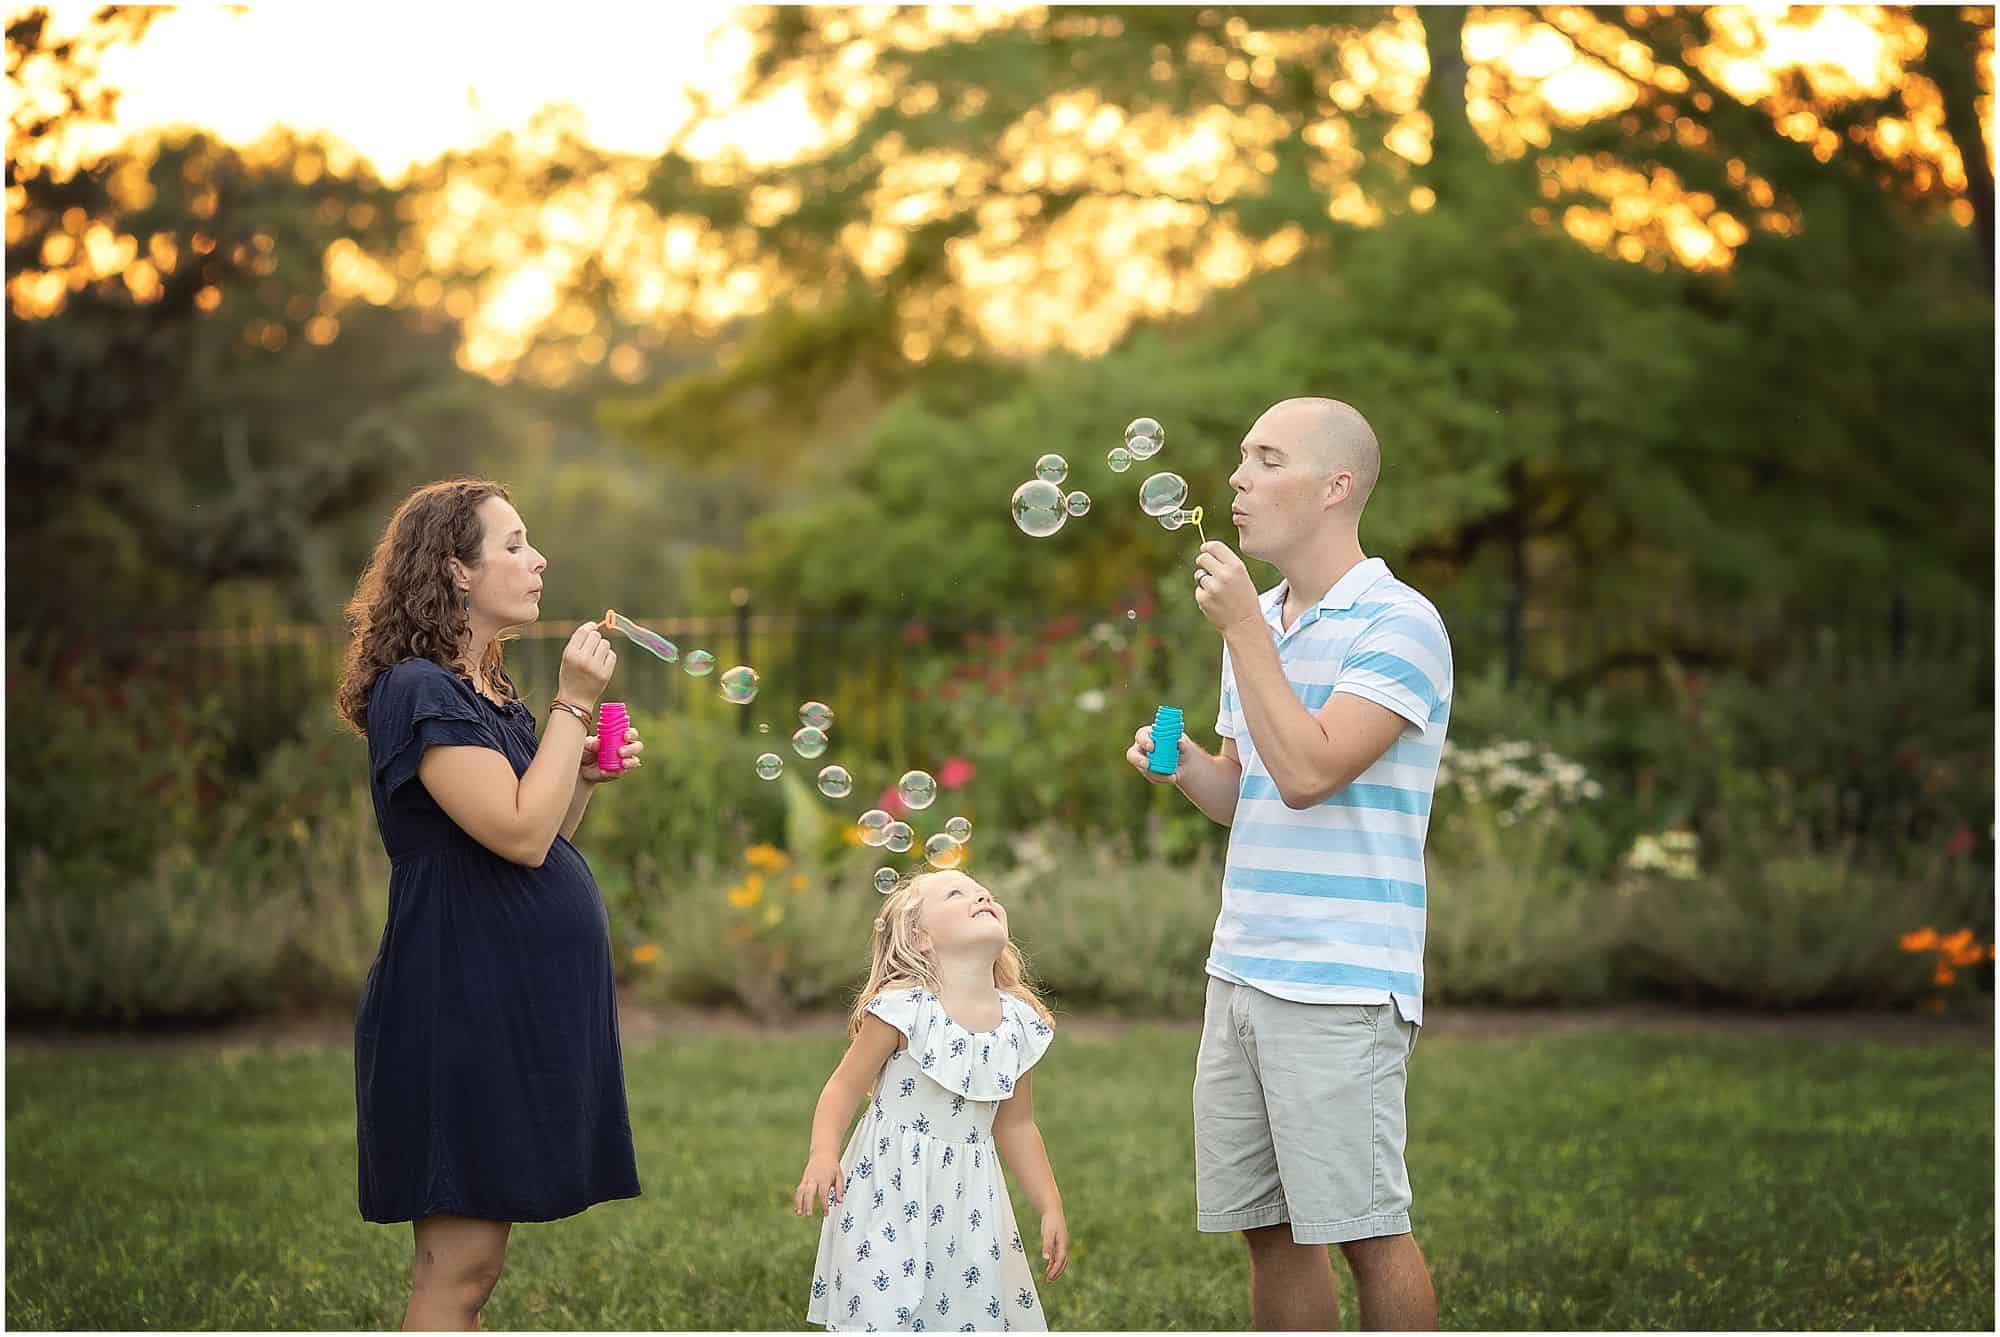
(1055, 1244)
(819, 1188)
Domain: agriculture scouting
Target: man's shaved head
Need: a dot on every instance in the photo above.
(1334, 437)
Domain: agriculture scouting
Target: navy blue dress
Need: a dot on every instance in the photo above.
(487, 1075)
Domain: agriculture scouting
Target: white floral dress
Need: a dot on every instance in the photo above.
(923, 1238)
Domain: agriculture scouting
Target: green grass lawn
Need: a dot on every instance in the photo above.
(1589, 1179)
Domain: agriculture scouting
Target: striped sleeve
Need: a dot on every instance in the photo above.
(1402, 662)
(1227, 714)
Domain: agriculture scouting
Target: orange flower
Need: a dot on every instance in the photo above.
(1934, 1005)
(646, 953)
(1957, 942)
(1973, 953)
(1944, 975)
(747, 892)
(1923, 940)
(799, 883)
(767, 857)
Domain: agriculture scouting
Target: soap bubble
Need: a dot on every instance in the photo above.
(1131, 615)
(1162, 493)
(1052, 468)
(650, 641)
(918, 789)
(809, 742)
(763, 728)
(897, 837)
(959, 829)
(874, 827)
(816, 714)
(885, 880)
(835, 782)
(1038, 508)
(941, 851)
(1077, 503)
(1119, 458)
(1176, 519)
(739, 685)
(1144, 447)
(770, 766)
(1147, 427)
(699, 664)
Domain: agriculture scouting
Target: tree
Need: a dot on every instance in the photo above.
(1587, 428)
(193, 402)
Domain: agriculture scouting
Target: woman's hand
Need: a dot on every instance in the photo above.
(819, 1188)
(587, 663)
(1055, 1244)
(590, 775)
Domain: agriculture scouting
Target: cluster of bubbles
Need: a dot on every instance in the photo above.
(917, 789)
(878, 830)
(1040, 505)
(815, 718)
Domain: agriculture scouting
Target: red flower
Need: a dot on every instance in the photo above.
(1062, 628)
(1145, 606)
(1960, 844)
(891, 801)
(955, 772)
(915, 633)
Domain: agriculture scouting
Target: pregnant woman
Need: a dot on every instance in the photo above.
(489, 1086)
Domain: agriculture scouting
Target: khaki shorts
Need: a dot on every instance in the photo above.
(1298, 1116)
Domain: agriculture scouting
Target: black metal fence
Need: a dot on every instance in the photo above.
(272, 676)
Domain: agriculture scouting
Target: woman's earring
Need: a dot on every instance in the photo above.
(465, 602)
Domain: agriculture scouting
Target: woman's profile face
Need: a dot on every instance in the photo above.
(506, 586)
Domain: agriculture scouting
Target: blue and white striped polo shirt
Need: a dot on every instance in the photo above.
(1326, 905)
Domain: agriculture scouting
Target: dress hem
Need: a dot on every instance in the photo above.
(532, 1218)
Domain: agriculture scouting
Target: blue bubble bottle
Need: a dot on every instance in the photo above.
(1166, 755)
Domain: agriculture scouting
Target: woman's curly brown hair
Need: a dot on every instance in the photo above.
(406, 605)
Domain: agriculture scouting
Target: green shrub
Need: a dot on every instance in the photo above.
(1795, 928)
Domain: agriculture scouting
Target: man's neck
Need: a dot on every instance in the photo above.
(1309, 575)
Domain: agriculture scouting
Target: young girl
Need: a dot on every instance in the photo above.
(919, 1231)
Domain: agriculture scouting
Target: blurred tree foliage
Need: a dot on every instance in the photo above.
(1580, 400)
(224, 368)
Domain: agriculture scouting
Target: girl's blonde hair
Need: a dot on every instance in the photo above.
(894, 959)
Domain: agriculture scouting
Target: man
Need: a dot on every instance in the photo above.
(1336, 689)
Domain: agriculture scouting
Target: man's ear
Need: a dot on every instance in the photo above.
(1339, 488)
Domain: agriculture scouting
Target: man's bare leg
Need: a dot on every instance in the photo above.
(1292, 1288)
(1392, 1284)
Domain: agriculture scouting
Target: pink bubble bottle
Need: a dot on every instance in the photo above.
(612, 722)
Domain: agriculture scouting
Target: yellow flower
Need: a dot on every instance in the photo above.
(773, 914)
(767, 857)
(646, 953)
(799, 883)
(747, 892)
(850, 835)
